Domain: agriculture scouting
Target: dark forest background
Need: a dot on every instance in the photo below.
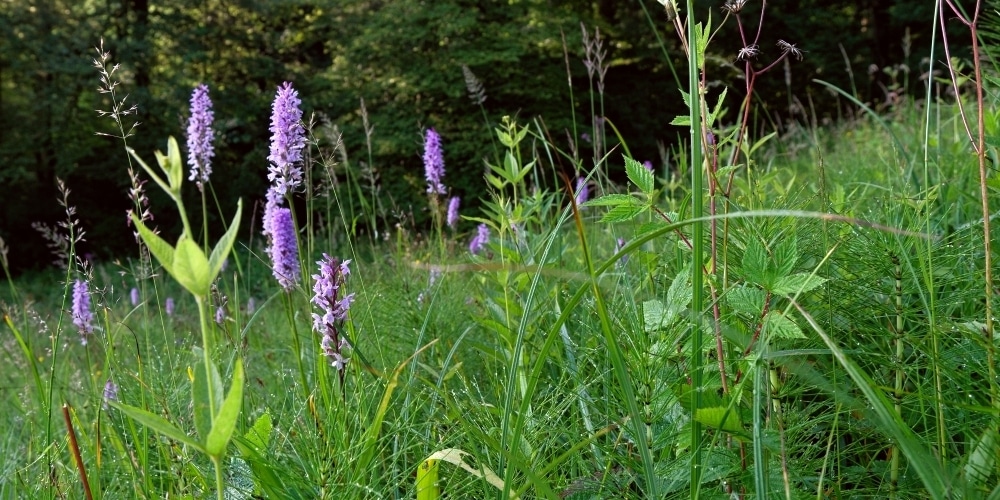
(404, 58)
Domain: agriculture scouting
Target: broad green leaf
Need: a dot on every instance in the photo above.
(746, 300)
(427, 480)
(225, 244)
(980, 465)
(191, 267)
(259, 435)
(642, 178)
(654, 315)
(158, 424)
(623, 213)
(497, 182)
(612, 200)
(779, 326)
(754, 265)
(719, 417)
(680, 293)
(786, 254)
(524, 171)
(504, 137)
(203, 399)
(229, 413)
(797, 283)
(160, 249)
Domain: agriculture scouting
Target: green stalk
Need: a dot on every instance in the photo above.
(698, 229)
(206, 341)
(898, 392)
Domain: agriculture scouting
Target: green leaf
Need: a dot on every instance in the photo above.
(681, 121)
(152, 173)
(158, 424)
(754, 264)
(786, 254)
(160, 249)
(642, 178)
(760, 142)
(201, 400)
(724, 172)
(797, 283)
(229, 413)
(191, 267)
(746, 300)
(718, 107)
(680, 293)
(504, 137)
(613, 200)
(720, 417)
(225, 244)
(623, 213)
(259, 436)
(777, 325)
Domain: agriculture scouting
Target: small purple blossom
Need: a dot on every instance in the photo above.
(220, 315)
(333, 304)
(453, 211)
(648, 165)
(134, 295)
(110, 392)
(582, 191)
(480, 239)
(288, 139)
(168, 306)
(433, 162)
(82, 317)
(200, 136)
(282, 245)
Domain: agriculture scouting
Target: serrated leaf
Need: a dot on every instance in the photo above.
(746, 300)
(157, 424)
(623, 213)
(160, 249)
(612, 200)
(259, 435)
(225, 244)
(681, 121)
(797, 283)
(654, 315)
(719, 417)
(786, 254)
(191, 267)
(228, 414)
(779, 326)
(724, 172)
(642, 178)
(652, 225)
(680, 293)
(718, 107)
(754, 265)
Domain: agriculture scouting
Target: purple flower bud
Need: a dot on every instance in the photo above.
(582, 191)
(453, 211)
(710, 139)
(648, 164)
(328, 299)
(479, 241)
(433, 162)
(288, 139)
(220, 315)
(110, 392)
(82, 317)
(134, 295)
(168, 306)
(200, 135)
(282, 245)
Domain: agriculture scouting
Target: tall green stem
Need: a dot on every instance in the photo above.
(697, 276)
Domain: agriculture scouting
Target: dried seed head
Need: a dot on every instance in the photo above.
(790, 48)
(734, 6)
(748, 52)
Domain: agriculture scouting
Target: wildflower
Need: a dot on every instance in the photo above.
(648, 165)
(433, 162)
(453, 211)
(134, 295)
(200, 135)
(110, 392)
(479, 241)
(168, 306)
(282, 246)
(327, 297)
(582, 192)
(82, 317)
(220, 315)
(287, 140)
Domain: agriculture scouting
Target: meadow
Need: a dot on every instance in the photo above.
(802, 311)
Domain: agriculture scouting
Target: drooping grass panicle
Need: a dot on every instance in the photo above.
(433, 162)
(200, 136)
(63, 238)
(83, 318)
(452, 217)
(333, 306)
(475, 87)
(288, 139)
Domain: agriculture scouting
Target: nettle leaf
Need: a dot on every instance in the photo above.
(612, 200)
(623, 213)
(786, 254)
(680, 293)
(746, 300)
(777, 325)
(654, 315)
(797, 283)
(720, 417)
(754, 265)
(642, 178)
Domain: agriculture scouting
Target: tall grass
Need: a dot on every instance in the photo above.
(792, 314)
